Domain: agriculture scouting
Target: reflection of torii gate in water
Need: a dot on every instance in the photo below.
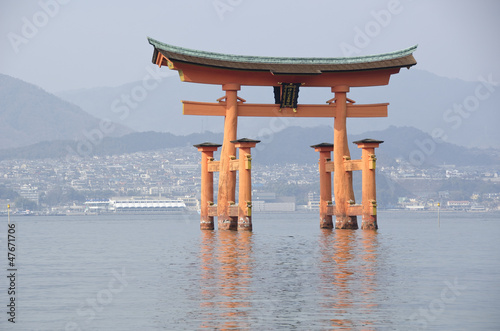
(285, 75)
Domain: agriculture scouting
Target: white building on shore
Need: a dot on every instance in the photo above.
(135, 205)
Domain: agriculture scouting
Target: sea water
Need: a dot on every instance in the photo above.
(160, 272)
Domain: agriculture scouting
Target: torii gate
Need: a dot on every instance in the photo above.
(285, 75)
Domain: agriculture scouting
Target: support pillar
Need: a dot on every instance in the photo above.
(342, 179)
(245, 183)
(227, 178)
(325, 185)
(369, 195)
(207, 150)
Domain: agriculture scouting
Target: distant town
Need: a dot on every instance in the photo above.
(168, 181)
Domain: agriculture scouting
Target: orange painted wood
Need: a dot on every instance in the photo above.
(343, 190)
(160, 60)
(325, 190)
(213, 166)
(232, 210)
(235, 165)
(369, 191)
(354, 210)
(227, 178)
(330, 166)
(368, 110)
(245, 188)
(353, 165)
(212, 210)
(204, 108)
(219, 76)
(271, 110)
(207, 189)
(369, 194)
(231, 106)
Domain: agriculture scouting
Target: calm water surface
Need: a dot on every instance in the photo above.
(162, 273)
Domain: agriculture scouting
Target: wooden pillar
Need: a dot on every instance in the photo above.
(325, 184)
(227, 178)
(369, 195)
(207, 184)
(342, 179)
(245, 183)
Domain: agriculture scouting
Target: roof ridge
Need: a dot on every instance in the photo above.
(282, 60)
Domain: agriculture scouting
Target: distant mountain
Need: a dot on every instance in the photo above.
(465, 113)
(158, 108)
(30, 115)
(130, 143)
(291, 145)
(406, 144)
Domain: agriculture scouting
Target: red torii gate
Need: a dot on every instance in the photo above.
(285, 75)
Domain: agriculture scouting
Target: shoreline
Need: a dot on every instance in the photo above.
(255, 213)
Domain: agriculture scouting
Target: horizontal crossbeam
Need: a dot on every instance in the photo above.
(233, 210)
(352, 210)
(272, 110)
(352, 165)
(214, 166)
(329, 166)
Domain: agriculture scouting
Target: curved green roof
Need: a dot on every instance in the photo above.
(401, 58)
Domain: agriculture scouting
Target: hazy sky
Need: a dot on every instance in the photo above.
(71, 44)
